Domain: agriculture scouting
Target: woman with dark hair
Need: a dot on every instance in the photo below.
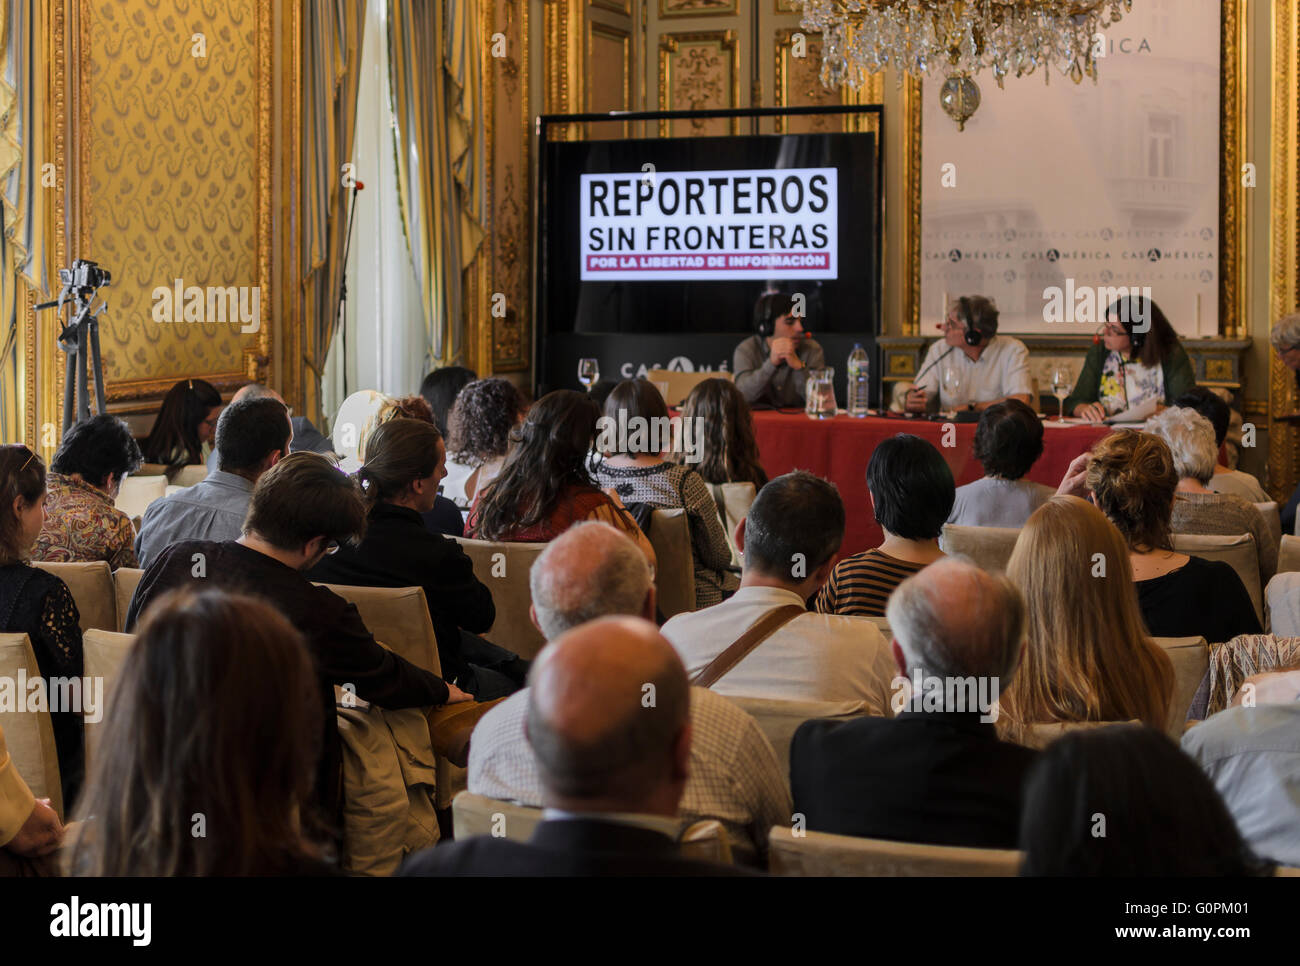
(772, 365)
(912, 491)
(36, 603)
(544, 486)
(479, 435)
(1137, 358)
(215, 714)
(1008, 441)
(403, 467)
(635, 468)
(1132, 479)
(187, 421)
(440, 389)
(81, 522)
(1125, 801)
(728, 450)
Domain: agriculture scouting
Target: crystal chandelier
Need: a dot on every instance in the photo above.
(959, 38)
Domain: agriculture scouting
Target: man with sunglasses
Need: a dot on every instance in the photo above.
(301, 510)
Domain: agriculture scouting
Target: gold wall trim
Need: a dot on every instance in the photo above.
(1283, 456)
(911, 218)
(719, 8)
(133, 389)
(669, 45)
(1232, 131)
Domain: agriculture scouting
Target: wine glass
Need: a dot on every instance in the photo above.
(588, 372)
(952, 386)
(1061, 385)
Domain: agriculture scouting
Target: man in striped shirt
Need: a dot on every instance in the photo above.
(912, 493)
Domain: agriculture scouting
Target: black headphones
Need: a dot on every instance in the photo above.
(765, 313)
(972, 335)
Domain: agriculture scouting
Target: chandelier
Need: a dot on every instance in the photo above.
(959, 38)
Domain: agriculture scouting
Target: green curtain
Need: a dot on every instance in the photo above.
(332, 36)
(24, 253)
(435, 77)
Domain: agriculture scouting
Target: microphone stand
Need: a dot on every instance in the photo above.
(340, 320)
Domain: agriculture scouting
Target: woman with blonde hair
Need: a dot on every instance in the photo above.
(1088, 656)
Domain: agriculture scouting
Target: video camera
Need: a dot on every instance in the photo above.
(84, 275)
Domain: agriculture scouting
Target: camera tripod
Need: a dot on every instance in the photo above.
(80, 334)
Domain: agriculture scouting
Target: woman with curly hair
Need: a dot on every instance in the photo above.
(728, 450)
(478, 435)
(544, 486)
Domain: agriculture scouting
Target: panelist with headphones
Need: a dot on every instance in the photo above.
(990, 368)
(772, 365)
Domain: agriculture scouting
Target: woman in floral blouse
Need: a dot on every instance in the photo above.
(1138, 358)
(81, 522)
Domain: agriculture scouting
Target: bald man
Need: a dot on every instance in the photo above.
(593, 570)
(937, 772)
(609, 722)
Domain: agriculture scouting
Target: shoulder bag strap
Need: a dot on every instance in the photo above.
(763, 628)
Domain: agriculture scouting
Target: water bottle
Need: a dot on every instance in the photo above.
(859, 369)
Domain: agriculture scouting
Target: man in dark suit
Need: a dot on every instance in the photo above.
(608, 720)
(936, 773)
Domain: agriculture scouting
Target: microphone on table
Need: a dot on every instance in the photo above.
(940, 359)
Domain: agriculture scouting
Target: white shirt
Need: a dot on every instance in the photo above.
(1002, 370)
(735, 776)
(815, 657)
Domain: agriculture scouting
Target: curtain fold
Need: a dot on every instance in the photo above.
(435, 76)
(333, 32)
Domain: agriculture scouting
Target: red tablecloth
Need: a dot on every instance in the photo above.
(838, 450)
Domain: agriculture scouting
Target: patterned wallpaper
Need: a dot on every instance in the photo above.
(172, 174)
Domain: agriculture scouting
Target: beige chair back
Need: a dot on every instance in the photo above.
(733, 501)
(821, 854)
(1288, 554)
(504, 568)
(882, 625)
(670, 535)
(779, 720)
(188, 475)
(680, 384)
(989, 548)
(1191, 659)
(91, 586)
(105, 651)
(125, 581)
(1273, 518)
(29, 734)
(138, 492)
(471, 815)
(1238, 550)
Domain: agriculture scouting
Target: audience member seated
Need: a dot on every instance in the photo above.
(440, 389)
(81, 522)
(790, 538)
(404, 460)
(1284, 337)
(1087, 655)
(613, 766)
(306, 437)
(599, 391)
(728, 451)
(1132, 480)
(1124, 801)
(1251, 752)
(253, 435)
(302, 509)
(1008, 441)
(37, 603)
(445, 517)
(29, 827)
(1235, 482)
(1197, 509)
(635, 468)
(591, 571)
(216, 715)
(544, 486)
(912, 494)
(936, 773)
(183, 431)
(479, 435)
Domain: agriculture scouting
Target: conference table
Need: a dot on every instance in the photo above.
(838, 450)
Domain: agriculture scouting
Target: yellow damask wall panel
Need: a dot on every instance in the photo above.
(170, 149)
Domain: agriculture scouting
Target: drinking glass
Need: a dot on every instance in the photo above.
(952, 386)
(1061, 385)
(588, 372)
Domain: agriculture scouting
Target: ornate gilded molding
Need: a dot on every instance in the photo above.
(912, 200)
(669, 46)
(1232, 127)
(1283, 438)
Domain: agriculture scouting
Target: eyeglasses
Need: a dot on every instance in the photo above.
(331, 547)
(1110, 328)
(952, 324)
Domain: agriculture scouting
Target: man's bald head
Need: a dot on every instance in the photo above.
(255, 390)
(954, 620)
(608, 713)
(591, 570)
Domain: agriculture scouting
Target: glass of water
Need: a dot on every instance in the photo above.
(588, 372)
(1061, 385)
(952, 387)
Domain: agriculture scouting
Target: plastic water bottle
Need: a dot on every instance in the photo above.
(859, 370)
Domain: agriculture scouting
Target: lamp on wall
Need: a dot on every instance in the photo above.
(959, 38)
